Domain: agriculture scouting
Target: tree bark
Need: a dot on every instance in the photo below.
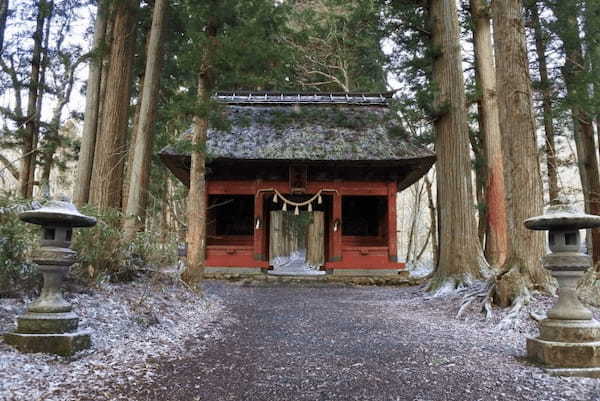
(574, 72)
(417, 192)
(433, 218)
(546, 89)
(197, 198)
(92, 107)
(45, 184)
(461, 258)
(480, 170)
(521, 167)
(108, 39)
(139, 168)
(165, 229)
(107, 173)
(31, 126)
(591, 26)
(4, 4)
(131, 145)
(495, 199)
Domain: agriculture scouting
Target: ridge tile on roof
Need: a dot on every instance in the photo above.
(356, 98)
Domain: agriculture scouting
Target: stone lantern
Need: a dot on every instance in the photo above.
(49, 325)
(569, 340)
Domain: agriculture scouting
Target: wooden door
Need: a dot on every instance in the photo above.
(290, 233)
(281, 242)
(315, 240)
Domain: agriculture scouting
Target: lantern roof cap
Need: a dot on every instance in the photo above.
(58, 213)
(562, 216)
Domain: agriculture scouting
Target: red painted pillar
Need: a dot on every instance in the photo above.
(206, 199)
(392, 239)
(259, 227)
(335, 230)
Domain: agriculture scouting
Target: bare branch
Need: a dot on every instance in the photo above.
(8, 165)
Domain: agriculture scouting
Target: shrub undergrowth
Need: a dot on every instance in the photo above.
(17, 240)
(106, 255)
(103, 252)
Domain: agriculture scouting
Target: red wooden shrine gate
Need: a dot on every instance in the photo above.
(342, 249)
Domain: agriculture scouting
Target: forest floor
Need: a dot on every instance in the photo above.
(286, 341)
(133, 326)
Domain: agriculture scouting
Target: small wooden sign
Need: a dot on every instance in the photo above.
(298, 178)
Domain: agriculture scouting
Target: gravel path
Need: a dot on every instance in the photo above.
(327, 342)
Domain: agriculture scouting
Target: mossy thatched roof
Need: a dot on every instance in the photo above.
(332, 129)
(308, 132)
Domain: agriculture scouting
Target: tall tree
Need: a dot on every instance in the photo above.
(140, 167)
(521, 167)
(545, 87)
(59, 81)
(591, 27)
(337, 45)
(461, 258)
(58, 60)
(92, 107)
(495, 203)
(196, 201)
(31, 132)
(4, 4)
(107, 173)
(578, 100)
(42, 89)
(224, 45)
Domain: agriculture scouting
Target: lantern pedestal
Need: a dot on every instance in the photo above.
(65, 344)
(49, 325)
(569, 340)
(566, 358)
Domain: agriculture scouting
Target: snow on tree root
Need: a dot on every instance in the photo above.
(510, 321)
(450, 286)
(480, 293)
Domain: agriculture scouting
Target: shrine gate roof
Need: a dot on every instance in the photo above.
(306, 127)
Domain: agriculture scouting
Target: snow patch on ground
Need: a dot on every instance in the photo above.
(133, 325)
(419, 269)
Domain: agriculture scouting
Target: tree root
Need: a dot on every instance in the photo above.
(480, 294)
(510, 320)
(449, 286)
(538, 317)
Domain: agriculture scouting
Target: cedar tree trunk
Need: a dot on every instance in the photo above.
(461, 258)
(3, 17)
(107, 173)
(92, 107)
(574, 73)
(197, 197)
(496, 233)
(31, 126)
(521, 167)
(139, 168)
(546, 88)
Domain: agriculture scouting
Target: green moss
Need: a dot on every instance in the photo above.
(243, 121)
(282, 117)
(396, 131)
